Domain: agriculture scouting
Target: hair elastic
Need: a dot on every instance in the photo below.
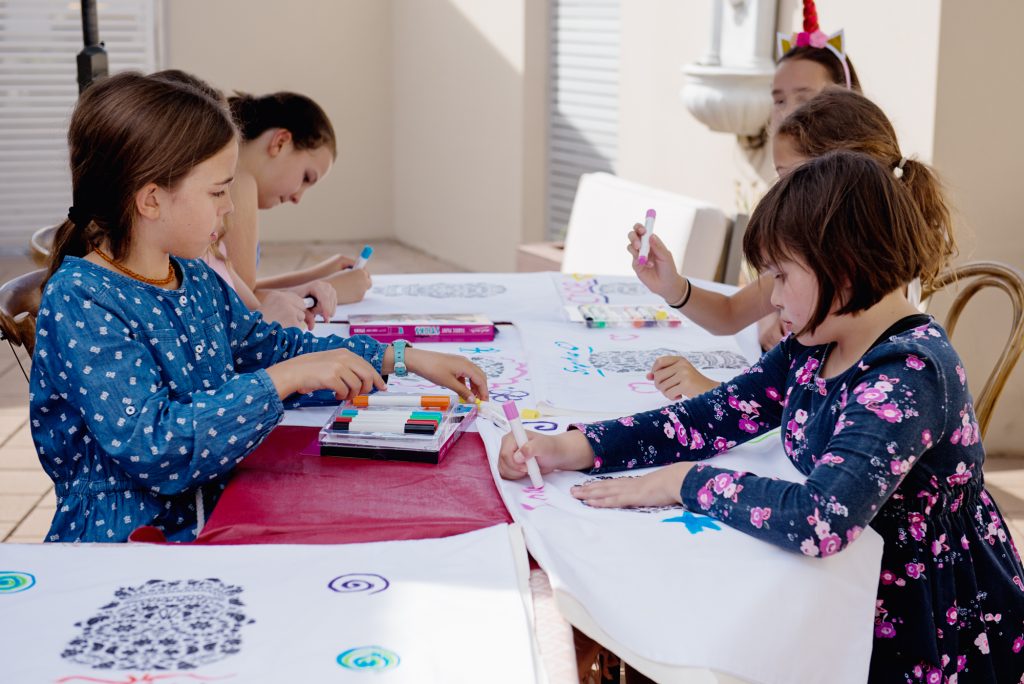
(898, 170)
(686, 297)
(78, 217)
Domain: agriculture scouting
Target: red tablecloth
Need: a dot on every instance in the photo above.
(285, 492)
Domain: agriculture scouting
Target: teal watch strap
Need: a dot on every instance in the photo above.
(401, 370)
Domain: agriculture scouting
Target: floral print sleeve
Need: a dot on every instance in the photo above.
(697, 428)
(858, 435)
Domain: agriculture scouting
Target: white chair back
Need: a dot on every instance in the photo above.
(606, 207)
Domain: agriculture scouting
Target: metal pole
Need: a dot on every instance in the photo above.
(92, 60)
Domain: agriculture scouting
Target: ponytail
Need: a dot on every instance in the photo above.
(926, 190)
(297, 114)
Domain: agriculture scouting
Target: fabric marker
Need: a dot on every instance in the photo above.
(309, 302)
(364, 256)
(645, 239)
(532, 469)
(425, 400)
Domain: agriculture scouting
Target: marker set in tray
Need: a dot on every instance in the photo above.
(394, 426)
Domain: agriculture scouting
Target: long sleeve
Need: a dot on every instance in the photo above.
(859, 439)
(256, 343)
(698, 428)
(157, 391)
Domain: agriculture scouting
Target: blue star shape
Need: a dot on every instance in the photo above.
(694, 523)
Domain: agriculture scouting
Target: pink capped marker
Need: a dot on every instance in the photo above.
(532, 469)
(645, 239)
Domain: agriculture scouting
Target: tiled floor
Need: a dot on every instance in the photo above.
(26, 494)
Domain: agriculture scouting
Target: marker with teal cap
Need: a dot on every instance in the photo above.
(364, 256)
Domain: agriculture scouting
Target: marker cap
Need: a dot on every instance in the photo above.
(511, 412)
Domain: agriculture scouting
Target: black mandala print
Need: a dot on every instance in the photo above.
(162, 625)
(637, 509)
(640, 361)
(622, 289)
(442, 290)
(492, 368)
(628, 360)
(716, 359)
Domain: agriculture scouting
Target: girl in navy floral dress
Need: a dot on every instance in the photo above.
(151, 380)
(874, 408)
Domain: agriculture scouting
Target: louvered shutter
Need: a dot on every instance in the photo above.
(39, 40)
(584, 96)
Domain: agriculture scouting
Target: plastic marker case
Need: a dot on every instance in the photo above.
(422, 434)
(625, 316)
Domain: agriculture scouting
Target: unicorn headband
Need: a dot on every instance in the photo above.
(813, 36)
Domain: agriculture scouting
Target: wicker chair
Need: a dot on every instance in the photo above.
(40, 244)
(969, 279)
(19, 305)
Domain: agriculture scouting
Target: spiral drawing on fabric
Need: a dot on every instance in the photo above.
(14, 581)
(369, 658)
(358, 582)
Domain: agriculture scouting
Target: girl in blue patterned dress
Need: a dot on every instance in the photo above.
(151, 380)
(873, 405)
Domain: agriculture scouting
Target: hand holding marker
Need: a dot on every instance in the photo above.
(645, 239)
(364, 256)
(532, 469)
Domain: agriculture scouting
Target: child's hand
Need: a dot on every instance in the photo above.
(567, 451)
(348, 374)
(448, 370)
(659, 274)
(770, 331)
(326, 300)
(675, 377)
(336, 263)
(660, 488)
(284, 307)
(351, 285)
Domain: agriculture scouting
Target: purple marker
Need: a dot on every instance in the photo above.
(532, 469)
(645, 239)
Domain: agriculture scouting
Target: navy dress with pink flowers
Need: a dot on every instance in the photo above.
(892, 442)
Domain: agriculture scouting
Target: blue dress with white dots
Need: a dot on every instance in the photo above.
(142, 400)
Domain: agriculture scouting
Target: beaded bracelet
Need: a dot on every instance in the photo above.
(686, 297)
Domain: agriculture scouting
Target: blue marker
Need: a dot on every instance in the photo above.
(364, 256)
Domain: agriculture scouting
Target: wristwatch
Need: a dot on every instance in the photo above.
(401, 370)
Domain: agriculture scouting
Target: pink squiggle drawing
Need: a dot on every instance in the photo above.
(622, 337)
(534, 494)
(643, 387)
(132, 679)
(519, 372)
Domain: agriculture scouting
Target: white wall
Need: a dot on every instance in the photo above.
(465, 123)
(340, 54)
(979, 145)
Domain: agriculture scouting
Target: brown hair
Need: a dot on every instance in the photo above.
(828, 59)
(127, 131)
(834, 69)
(179, 76)
(299, 115)
(839, 119)
(853, 225)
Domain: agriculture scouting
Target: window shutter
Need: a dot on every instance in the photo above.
(39, 40)
(584, 96)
